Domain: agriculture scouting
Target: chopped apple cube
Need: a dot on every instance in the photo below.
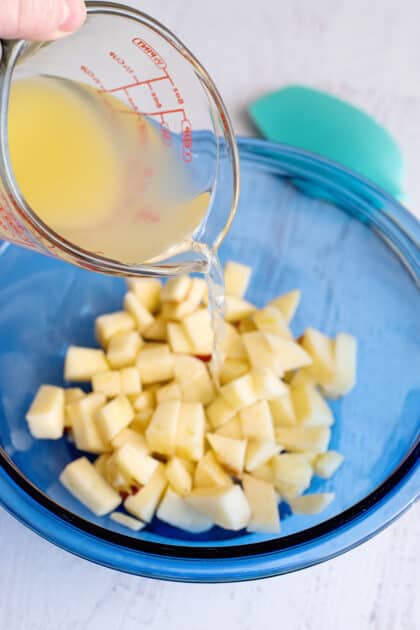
(106, 326)
(262, 500)
(143, 505)
(237, 278)
(292, 468)
(82, 363)
(230, 453)
(114, 417)
(129, 436)
(256, 422)
(171, 391)
(270, 319)
(196, 293)
(85, 483)
(304, 438)
(320, 349)
(246, 325)
(157, 331)
(258, 453)
(46, 413)
(134, 463)
(310, 408)
(289, 353)
(155, 364)
(162, 431)
(107, 383)
(142, 420)
(240, 393)
(147, 290)
(226, 507)
(178, 339)
(287, 303)
(100, 464)
(130, 381)
(302, 377)
(288, 490)
(174, 510)
(194, 379)
(231, 429)
(176, 289)
(260, 353)
(233, 347)
(282, 410)
(115, 477)
(141, 316)
(127, 521)
(152, 387)
(310, 456)
(267, 385)
(72, 394)
(85, 431)
(326, 464)
(188, 465)
(237, 309)
(344, 361)
(178, 476)
(219, 412)
(190, 432)
(210, 473)
(199, 330)
(265, 472)
(232, 369)
(145, 400)
(123, 349)
(311, 503)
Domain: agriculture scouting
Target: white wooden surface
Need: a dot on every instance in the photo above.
(367, 52)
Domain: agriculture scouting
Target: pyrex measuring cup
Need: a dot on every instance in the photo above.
(123, 53)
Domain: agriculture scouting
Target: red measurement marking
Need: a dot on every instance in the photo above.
(124, 65)
(155, 97)
(165, 133)
(178, 96)
(89, 73)
(147, 215)
(131, 101)
(186, 132)
(136, 84)
(161, 114)
(150, 51)
(164, 112)
(13, 229)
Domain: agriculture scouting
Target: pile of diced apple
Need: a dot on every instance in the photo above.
(169, 441)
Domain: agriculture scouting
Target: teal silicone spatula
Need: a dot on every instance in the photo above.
(318, 122)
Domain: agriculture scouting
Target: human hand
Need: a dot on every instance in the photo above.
(39, 20)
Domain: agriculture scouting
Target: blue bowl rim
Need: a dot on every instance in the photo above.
(34, 507)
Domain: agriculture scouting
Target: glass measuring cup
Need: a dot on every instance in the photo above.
(126, 54)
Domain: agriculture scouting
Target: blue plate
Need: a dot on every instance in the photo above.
(357, 263)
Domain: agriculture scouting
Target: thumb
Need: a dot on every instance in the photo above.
(40, 19)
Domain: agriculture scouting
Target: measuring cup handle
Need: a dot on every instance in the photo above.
(9, 48)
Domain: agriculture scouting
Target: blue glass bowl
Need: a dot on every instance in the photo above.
(357, 263)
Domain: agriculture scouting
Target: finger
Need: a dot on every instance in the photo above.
(40, 19)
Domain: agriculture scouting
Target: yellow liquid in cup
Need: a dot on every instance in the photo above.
(97, 173)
